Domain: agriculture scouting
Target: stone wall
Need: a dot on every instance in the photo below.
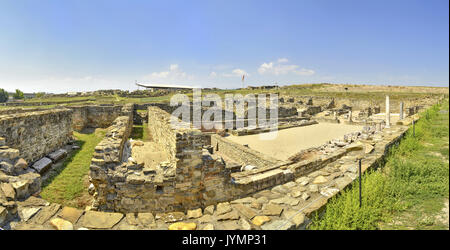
(8, 111)
(108, 158)
(36, 134)
(44, 103)
(161, 130)
(190, 177)
(94, 116)
(356, 103)
(310, 110)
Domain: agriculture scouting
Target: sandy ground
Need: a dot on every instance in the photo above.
(443, 216)
(149, 154)
(292, 140)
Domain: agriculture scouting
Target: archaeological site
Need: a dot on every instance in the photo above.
(193, 178)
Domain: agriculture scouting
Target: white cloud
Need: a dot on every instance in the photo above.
(213, 74)
(64, 84)
(280, 68)
(283, 60)
(173, 74)
(236, 73)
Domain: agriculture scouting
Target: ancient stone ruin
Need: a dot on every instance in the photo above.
(206, 177)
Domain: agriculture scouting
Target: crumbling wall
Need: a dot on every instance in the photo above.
(108, 158)
(161, 131)
(36, 134)
(94, 116)
(190, 177)
(241, 154)
(8, 111)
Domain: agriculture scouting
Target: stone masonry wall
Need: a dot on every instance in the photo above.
(94, 116)
(36, 134)
(107, 158)
(190, 177)
(241, 154)
(8, 111)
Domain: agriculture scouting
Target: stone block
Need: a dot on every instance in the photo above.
(260, 220)
(57, 155)
(278, 225)
(71, 214)
(9, 153)
(21, 164)
(21, 188)
(46, 213)
(61, 224)
(272, 209)
(100, 220)
(42, 165)
(3, 215)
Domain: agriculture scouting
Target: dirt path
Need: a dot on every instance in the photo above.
(443, 216)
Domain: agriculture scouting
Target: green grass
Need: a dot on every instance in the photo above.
(408, 192)
(69, 183)
(140, 132)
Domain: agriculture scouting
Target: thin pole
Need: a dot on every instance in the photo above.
(414, 128)
(360, 199)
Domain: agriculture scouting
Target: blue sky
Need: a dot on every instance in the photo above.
(60, 46)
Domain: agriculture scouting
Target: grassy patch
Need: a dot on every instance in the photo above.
(68, 185)
(140, 132)
(407, 192)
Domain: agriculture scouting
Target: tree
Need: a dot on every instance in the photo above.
(3, 95)
(18, 94)
(40, 94)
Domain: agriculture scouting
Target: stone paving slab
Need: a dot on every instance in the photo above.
(100, 220)
(70, 214)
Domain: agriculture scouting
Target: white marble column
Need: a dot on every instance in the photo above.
(388, 113)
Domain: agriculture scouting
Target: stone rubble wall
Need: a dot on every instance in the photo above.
(287, 206)
(108, 156)
(17, 181)
(36, 134)
(161, 130)
(357, 103)
(310, 110)
(189, 178)
(8, 111)
(43, 103)
(241, 154)
(94, 116)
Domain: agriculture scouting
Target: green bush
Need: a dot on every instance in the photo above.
(18, 95)
(3, 95)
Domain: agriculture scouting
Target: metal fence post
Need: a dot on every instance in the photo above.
(360, 173)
